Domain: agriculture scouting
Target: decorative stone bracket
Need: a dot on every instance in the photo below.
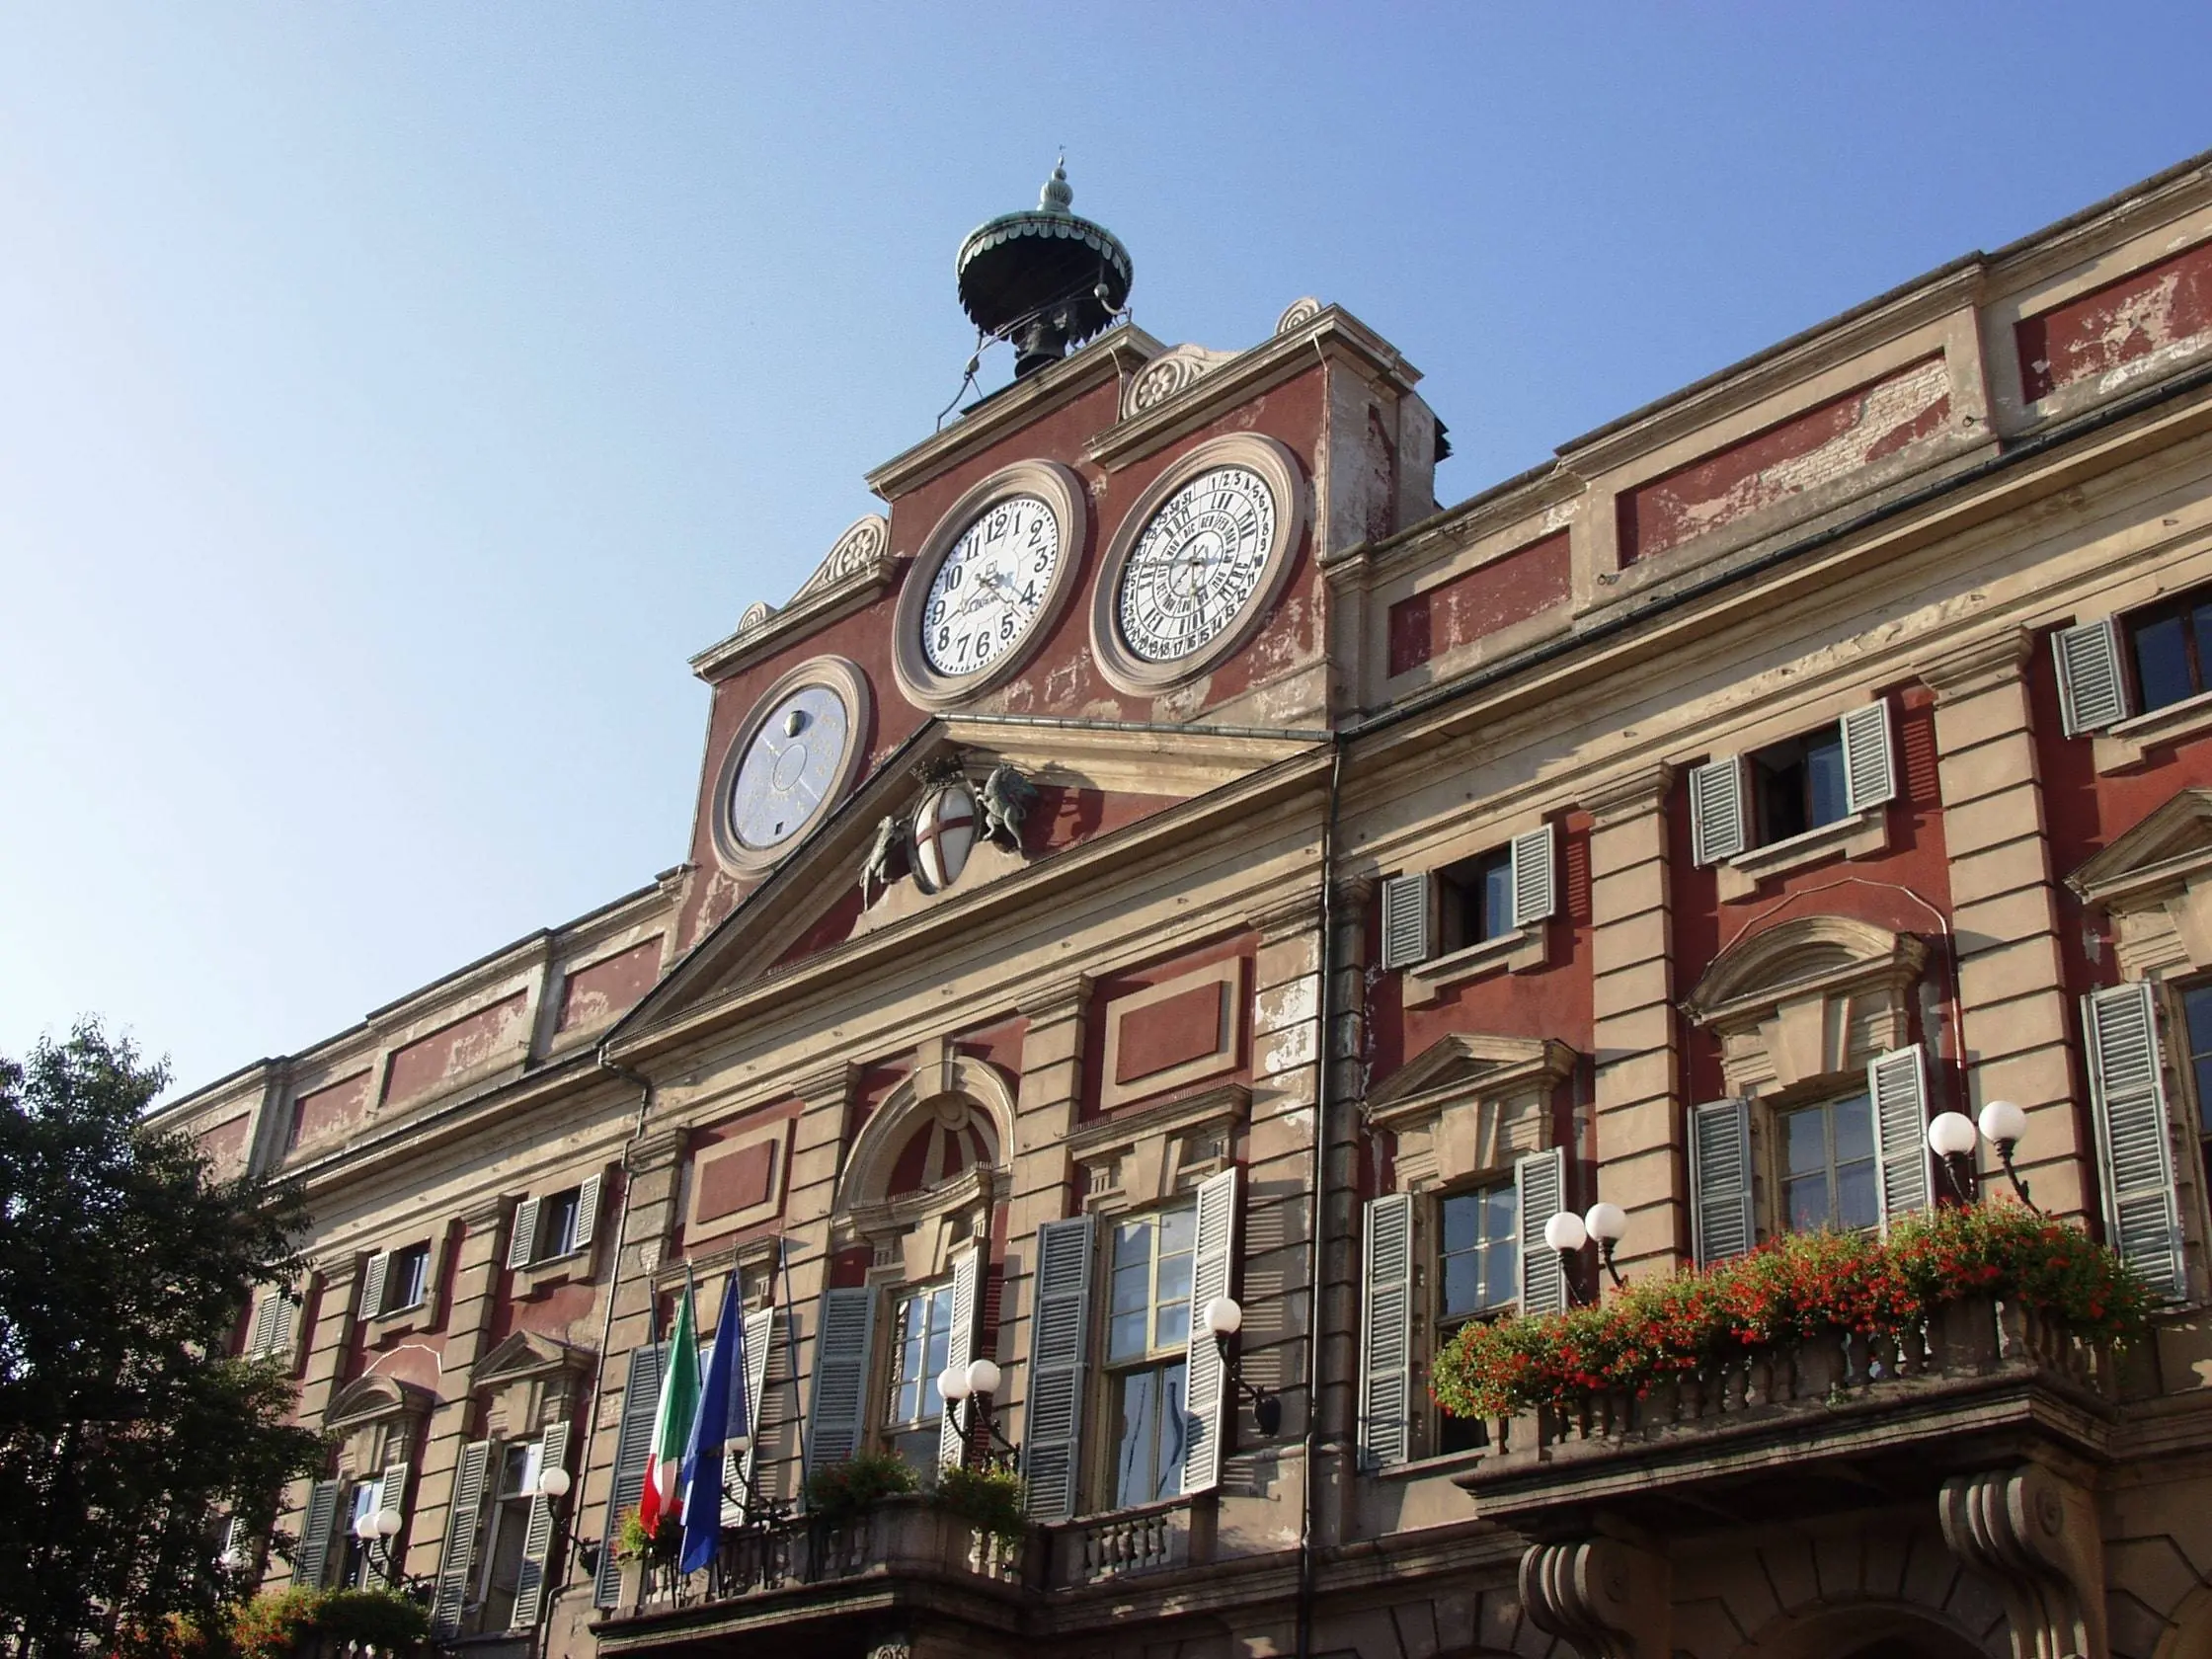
(1606, 1598)
(2035, 1533)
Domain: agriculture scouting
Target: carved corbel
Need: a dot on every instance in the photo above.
(2035, 1533)
(1606, 1598)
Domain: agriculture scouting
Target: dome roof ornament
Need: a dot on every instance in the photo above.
(1043, 278)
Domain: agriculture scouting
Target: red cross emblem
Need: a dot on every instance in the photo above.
(944, 831)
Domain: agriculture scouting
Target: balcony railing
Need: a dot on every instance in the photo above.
(1158, 1536)
(1841, 1393)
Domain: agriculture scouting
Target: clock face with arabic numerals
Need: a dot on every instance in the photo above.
(992, 583)
(1196, 563)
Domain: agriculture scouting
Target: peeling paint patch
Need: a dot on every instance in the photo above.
(224, 1146)
(2125, 330)
(606, 988)
(1839, 437)
(454, 1048)
(1525, 582)
(331, 1109)
(1288, 1004)
(1287, 1050)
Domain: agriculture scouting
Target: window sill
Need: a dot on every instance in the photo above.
(1524, 948)
(572, 1268)
(1854, 837)
(1436, 1464)
(2124, 744)
(400, 1321)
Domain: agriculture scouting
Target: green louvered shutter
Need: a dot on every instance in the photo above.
(837, 1425)
(633, 1443)
(2127, 1090)
(1059, 1337)
(1208, 1399)
(313, 1561)
(1387, 1332)
(538, 1536)
(463, 1519)
(1539, 1192)
(1720, 1222)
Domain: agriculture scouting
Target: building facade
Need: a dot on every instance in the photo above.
(1163, 854)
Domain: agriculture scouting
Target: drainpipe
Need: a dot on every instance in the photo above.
(1315, 1237)
(543, 1634)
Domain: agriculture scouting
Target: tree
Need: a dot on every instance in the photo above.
(126, 1431)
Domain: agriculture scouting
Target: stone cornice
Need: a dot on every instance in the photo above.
(1629, 795)
(1981, 665)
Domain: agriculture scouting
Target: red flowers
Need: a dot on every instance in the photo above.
(1785, 1292)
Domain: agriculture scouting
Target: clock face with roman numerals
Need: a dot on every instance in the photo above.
(990, 586)
(1196, 563)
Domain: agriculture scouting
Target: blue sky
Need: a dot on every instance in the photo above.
(393, 396)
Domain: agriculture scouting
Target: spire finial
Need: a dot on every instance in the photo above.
(1057, 196)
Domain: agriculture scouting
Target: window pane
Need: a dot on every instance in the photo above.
(2162, 662)
(1824, 778)
(2196, 1008)
(1804, 1141)
(1463, 1220)
(1125, 1336)
(1463, 1284)
(1856, 1204)
(1137, 1416)
(1855, 1128)
(1175, 1281)
(1499, 1205)
(1780, 781)
(1495, 915)
(1178, 1229)
(1133, 1287)
(1173, 1327)
(1501, 1280)
(2200, 629)
(2204, 1092)
(1133, 1244)
(1807, 1200)
(1174, 1433)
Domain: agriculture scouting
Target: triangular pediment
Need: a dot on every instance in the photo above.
(525, 1354)
(2169, 846)
(1463, 1064)
(1095, 783)
(372, 1399)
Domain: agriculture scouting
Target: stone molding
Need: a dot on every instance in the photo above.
(2036, 1534)
(1631, 796)
(1983, 666)
(1807, 1000)
(1607, 1599)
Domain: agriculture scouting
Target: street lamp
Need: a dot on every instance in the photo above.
(1952, 1136)
(376, 1529)
(1225, 1319)
(974, 1383)
(1567, 1233)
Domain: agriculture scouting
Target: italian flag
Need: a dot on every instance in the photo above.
(671, 1421)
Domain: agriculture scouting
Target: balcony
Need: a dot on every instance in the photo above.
(904, 1565)
(1837, 1422)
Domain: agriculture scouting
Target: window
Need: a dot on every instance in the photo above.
(1478, 899)
(557, 1218)
(1829, 1175)
(1477, 1274)
(2170, 648)
(1798, 785)
(2196, 1017)
(357, 1573)
(407, 1282)
(921, 1342)
(1147, 1333)
(510, 1525)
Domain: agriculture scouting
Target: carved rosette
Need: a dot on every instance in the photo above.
(1167, 374)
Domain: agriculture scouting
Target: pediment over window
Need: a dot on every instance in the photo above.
(524, 1356)
(1471, 1102)
(2156, 881)
(1807, 1001)
(375, 1399)
(527, 1382)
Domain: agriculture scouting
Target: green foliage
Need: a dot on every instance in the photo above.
(838, 1492)
(663, 1545)
(378, 1618)
(272, 1626)
(125, 1271)
(276, 1626)
(988, 1499)
(1788, 1291)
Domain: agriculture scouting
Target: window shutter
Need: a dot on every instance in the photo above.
(837, 1422)
(392, 1495)
(458, 1556)
(1869, 769)
(633, 1442)
(1059, 1328)
(1716, 810)
(233, 1553)
(1408, 919)
(1898, 1083)
(1719, 1180)
(588, 1199)
(261, 1339)
(1206, 1396)
(1387, 1332)
(1539, 1192)
(537, 1538)
(372, 1283)
(283, 1329)
(2091, 690)
(761, 1331)
(313, 1559)
(1536, 886)
(2127, 1092)
(959, 1346)
(524, 1245)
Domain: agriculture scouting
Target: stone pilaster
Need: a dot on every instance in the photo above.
(474, 1297)
(817, 1152)
(2004, 911)
(327, 1344)
(1640, 1163)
